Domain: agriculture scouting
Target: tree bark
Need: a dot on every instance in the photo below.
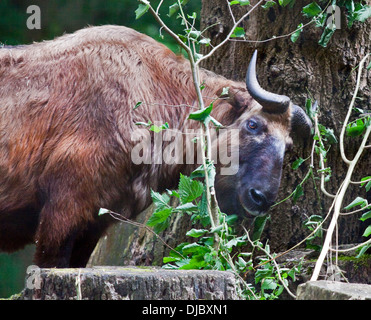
(299, 70)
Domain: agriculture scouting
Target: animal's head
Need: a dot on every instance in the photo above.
(265, 126)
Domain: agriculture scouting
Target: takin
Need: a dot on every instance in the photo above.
(68, 110)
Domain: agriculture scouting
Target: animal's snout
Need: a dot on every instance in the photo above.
(256, 201)
(258, 198)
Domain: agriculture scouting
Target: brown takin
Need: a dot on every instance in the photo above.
(67, 118)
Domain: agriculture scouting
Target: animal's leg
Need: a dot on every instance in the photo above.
(86, 242)
(54, 239)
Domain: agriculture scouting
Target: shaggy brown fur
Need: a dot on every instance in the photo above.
(66, 115)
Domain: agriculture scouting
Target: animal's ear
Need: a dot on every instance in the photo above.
(236, 97)
(301, 125)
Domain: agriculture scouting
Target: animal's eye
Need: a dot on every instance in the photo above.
(251, 124)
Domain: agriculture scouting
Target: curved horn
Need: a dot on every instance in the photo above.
(271, 102)
(301, 125)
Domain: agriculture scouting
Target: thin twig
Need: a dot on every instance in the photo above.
(284, 35)
(227, 38)
(121, 218)
(360, 182)
(352, 248)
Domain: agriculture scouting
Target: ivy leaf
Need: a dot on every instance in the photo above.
(367, 231)
(327, 34)
(311, 10)
(239, 32)
(142, 9)
(284, 3)
(137, 105)
(201, 115)
(196, 233)
(362, 14)
(205, 41)
(363, 250)
(297, 163)
(296, 34)
(298, 192)
(268, 4)
(158, 129)
(365, 216)
(240, 2)
(175, 7)
(356, 128)
(357, 202)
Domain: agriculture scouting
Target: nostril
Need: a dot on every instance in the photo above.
(258, 197)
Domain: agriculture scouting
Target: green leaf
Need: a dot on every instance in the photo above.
(297, 163)
(160, 201)
(284, 3)
(159, 217)
(189, 206)
(365, 216)
(367, 231)
(201, 115)
(137, 105)
(269, 284)
(363, 250)
(298, 192)
(170, 259)
(368, 184)
(356, 202)
(259, 224)
(362, 14)
(189, 189)
(240, 2)
(239, 32)
(196, 233)
(173, 9)
(262, 273)
(216, 123)
(311, 10)
(356, 128)
(142, 9)
(326, 35)
(297, 33)
(158, 129)
(310, 108)
(194, 248)
(205, 41)
(268, 4)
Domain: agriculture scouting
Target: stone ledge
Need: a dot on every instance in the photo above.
(333, 290)
(129, 283)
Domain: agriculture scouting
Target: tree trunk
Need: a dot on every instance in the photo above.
(299, 70)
